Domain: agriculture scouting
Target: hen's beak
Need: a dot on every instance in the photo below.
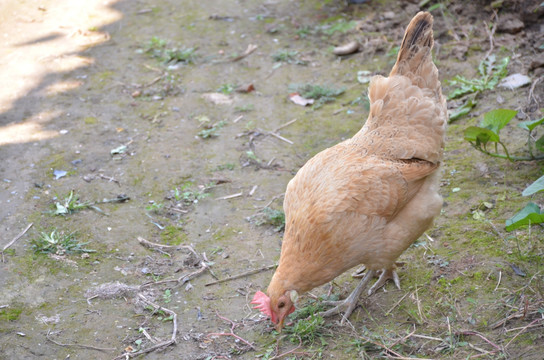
(279, 326)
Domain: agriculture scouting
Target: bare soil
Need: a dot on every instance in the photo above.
(83, 94)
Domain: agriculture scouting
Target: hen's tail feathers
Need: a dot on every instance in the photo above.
(416, 46)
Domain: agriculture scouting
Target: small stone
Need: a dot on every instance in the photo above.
(510, 26)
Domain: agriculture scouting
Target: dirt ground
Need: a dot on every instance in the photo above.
(143, 109)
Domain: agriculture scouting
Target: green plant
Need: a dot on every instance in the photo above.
(189, 196)
(58, 243)
(156, 47)
(272, 217)
(154, 207)
(321, 94)
(251, 156)
(211, 131)
(167, 296)
(183, 55)
(226, 88)
(304, 31)
(286, 56)
(227, 166)
(488, 133)
(341, 26)
(69, 205)
(490, 71)
(308, 325)
(531, 213)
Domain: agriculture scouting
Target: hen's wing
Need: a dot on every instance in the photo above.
(337, 209)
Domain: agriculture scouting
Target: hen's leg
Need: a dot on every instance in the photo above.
(387, 274)
(349, 304)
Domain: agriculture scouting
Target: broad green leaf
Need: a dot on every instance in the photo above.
(530, 125)
(530, 214)
(480, 135)
(495, 120)
(539, 144)
(535, 187)
(462, 110)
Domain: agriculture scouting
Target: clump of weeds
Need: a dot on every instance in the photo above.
(69, 205)
(227, 89)
(490, 72)
(187, 195)
(334, 25)
(308, 326)
(290, 57)
(158, 49)
(211, 130)
(58, 243)
(154, 207)
(269, 216)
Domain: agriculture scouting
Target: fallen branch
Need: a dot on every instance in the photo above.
(151, 244)
(230, 196)
(470, 332)
(247, 273)
(523, 330)
(109, 178)
(271, 201)
(395, 355)
(491, 33)
(396, 304)
(281, 138)
(77, 345)
(232, 327)
(15, 239)
(250, 48)
(284, 125)
(181, 280)
(160, 345)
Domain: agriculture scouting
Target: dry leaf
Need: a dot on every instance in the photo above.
(299, 100)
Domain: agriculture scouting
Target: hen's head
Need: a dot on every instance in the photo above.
(277, 308)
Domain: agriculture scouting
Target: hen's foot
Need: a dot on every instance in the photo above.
(349, 304)
(389, 274)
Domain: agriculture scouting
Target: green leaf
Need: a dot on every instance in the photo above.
(495, 120)
(480, 135)
(530, 214)
(530, 125)
(535, 187)
(463, 110)
(540, 144)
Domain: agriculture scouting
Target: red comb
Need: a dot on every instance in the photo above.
(263, 304)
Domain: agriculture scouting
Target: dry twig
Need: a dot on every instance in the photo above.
(230, 196)
(284, 125)
(250, 48)
(160, 345)
(491, 33)
(76, 345)
(15, 239)
(247, 273)
(231, 333)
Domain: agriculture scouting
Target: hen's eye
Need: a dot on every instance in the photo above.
(281, 304)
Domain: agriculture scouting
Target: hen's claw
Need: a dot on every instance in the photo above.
(349, 304)
(389, 274)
